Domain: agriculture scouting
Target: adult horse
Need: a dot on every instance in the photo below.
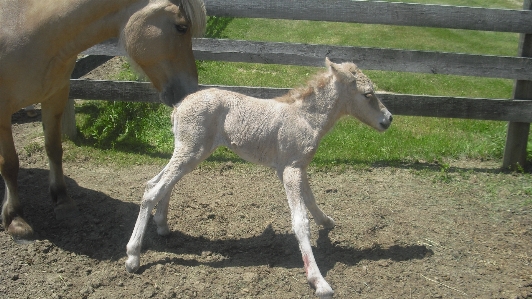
(39, 44)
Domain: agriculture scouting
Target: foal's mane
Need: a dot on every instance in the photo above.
(301, 93)
(195, 13)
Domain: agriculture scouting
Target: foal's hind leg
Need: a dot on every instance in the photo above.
(294, 180)
(52, 111)
(158, 190)
(12, 215)
(310, 202)
(161, 214)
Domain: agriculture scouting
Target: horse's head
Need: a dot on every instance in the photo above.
(158, 38)
(357, 94)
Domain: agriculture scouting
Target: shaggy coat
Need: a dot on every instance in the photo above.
(283, 134)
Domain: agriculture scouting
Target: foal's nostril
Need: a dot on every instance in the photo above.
(391, 118)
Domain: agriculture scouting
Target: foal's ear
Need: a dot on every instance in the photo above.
(327, 62)
(331, 65)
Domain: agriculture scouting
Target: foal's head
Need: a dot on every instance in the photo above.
(357, 94)
(158, 37)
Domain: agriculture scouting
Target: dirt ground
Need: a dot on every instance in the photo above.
(403, 231)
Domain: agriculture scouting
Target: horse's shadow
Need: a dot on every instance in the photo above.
(104, 224)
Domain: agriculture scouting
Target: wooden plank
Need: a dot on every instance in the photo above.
(109, 47)
(113, 90)
(377, 12)
(88, 63)
(414, 105)
(518, 131)
(457, 107)
(366, 58)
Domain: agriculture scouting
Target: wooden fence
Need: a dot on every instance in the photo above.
(517, 111)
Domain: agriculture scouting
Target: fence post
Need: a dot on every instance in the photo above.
(517, 134)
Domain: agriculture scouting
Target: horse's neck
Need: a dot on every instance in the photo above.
(321, 108)
(87, 22)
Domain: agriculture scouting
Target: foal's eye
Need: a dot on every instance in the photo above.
(181, 29)
(368, 95)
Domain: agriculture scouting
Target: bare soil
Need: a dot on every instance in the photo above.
(403, 231)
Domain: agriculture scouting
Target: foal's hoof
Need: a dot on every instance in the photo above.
(132, 264)
(324, 290)
(20, 231)
(66, 211)
(328, 223)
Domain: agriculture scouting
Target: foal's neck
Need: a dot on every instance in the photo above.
(321, 107)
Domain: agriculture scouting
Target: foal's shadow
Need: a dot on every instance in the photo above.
(104, 225)
(271, 249)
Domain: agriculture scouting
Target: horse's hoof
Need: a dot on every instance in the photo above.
(20, 231)
(132, 264)
(66, 211)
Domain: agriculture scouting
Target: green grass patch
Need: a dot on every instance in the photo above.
(126, 127)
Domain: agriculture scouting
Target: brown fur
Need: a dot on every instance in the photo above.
(39, 43)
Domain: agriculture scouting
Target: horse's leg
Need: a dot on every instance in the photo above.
(296, 189)
(52, 111)
(12, 212)
(158, 190)
(319, 216)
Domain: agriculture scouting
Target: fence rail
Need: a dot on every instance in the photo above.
(377, 12)
(519, 68)
(518, 111)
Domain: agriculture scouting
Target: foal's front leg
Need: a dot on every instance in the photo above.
(296, 187)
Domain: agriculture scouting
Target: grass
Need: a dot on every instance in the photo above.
(142, 131)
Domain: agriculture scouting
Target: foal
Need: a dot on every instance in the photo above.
(282, 133)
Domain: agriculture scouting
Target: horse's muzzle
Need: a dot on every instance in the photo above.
(176, 91)
(387, 123)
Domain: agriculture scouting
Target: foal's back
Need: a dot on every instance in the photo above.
(253, 128)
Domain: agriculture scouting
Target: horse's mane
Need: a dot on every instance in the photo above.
(196, 14)
(301, 93)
